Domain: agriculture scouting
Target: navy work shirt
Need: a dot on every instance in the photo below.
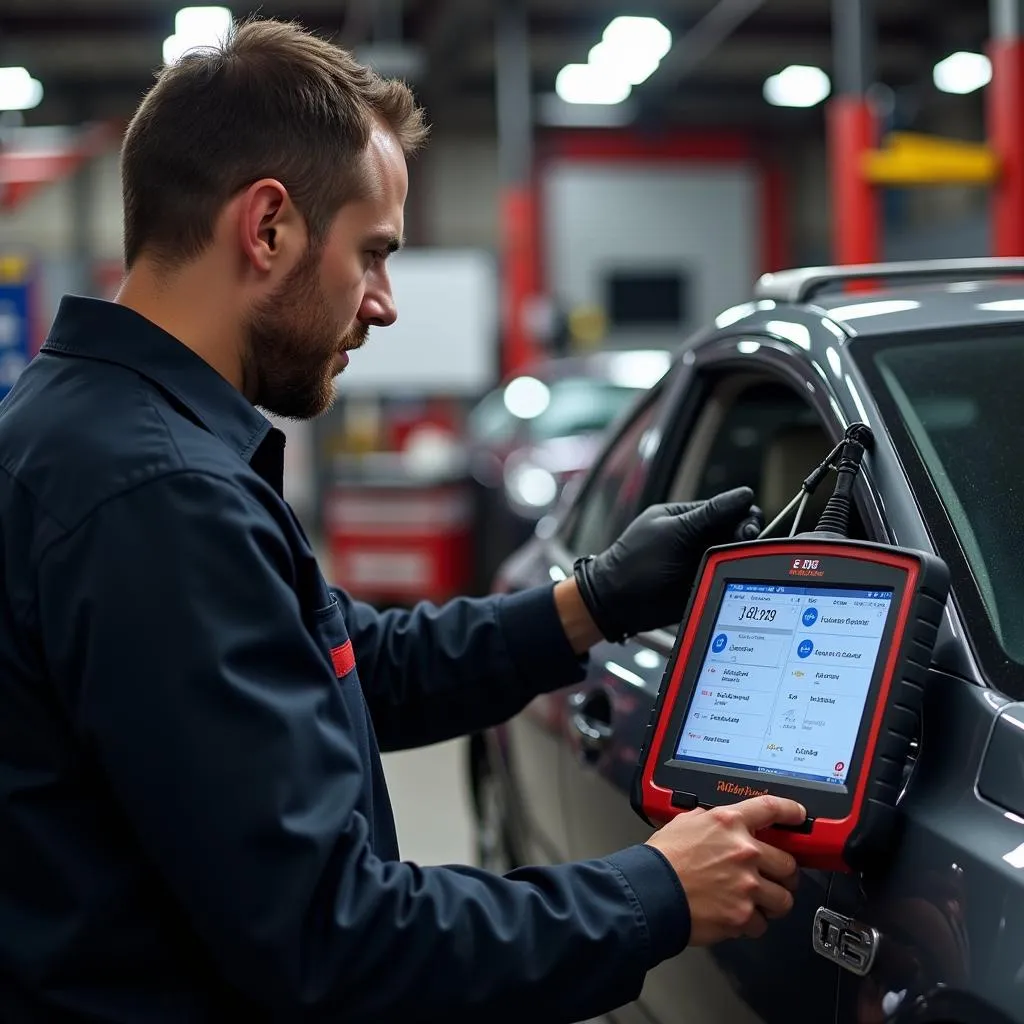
(194, 824)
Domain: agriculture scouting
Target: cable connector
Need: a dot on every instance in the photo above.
(835, 519)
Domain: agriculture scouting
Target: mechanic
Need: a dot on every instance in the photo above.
(194, 822)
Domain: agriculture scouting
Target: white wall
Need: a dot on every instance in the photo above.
(704, 220)
(42, 227)
(44, 223)
(457, 199)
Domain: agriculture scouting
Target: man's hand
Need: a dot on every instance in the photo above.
(733, 882)
(643, 580)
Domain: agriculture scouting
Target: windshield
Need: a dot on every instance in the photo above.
(962, 403)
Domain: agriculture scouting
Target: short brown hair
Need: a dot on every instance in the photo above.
(273, 101)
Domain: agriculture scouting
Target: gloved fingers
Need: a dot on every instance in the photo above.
(751, 526)
(724, 506)
(677, 508)
(723, 511)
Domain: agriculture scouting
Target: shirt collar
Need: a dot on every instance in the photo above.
(95, 329)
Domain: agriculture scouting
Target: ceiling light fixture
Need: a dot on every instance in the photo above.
(195, 27)
(799, 85)
(630, 50)
(19, 90)
(583, 83)
(962, 72)
(630, 64)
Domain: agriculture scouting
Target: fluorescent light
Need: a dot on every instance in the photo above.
(202, 22)
(19, 90)
(629, 52)
(635, 65)
(799, 85)
(195, 27)
(962, 72)
(631, 48)
(635, 34)
(583, 83)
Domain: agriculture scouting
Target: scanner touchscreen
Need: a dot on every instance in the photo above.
(784, 682)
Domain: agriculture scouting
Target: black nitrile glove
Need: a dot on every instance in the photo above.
(642, 582)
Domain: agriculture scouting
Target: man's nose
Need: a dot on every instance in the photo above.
(378, 308)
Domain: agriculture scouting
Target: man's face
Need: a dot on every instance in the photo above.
(299, 337)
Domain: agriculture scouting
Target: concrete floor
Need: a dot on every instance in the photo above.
(431, 803)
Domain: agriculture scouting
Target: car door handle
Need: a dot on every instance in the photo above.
(592, 720)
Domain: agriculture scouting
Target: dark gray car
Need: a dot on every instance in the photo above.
(759, 399)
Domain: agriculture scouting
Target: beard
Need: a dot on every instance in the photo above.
(294, 340)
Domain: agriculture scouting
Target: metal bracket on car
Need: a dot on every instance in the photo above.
(844, 941)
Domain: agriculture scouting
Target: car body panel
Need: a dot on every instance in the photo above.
(949, 910)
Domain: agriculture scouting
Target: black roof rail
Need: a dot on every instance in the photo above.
(801, 284)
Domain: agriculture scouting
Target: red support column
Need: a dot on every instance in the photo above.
(856, 215)
(1006, 136)
(520, 275)
(775, 240)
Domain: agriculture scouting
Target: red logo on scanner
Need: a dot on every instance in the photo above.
(806, 567)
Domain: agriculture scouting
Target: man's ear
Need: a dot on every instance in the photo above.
(271, 232)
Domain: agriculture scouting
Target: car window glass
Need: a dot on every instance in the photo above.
(611, 498)
(961, 403)
(755, 433)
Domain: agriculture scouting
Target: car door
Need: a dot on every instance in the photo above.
(736, 423)
(535, 739)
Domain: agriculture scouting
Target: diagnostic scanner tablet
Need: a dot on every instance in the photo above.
(798, 671)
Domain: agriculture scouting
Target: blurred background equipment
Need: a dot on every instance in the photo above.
(535, 433)
(19, 317)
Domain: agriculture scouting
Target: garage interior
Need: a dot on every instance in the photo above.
(567, 229)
